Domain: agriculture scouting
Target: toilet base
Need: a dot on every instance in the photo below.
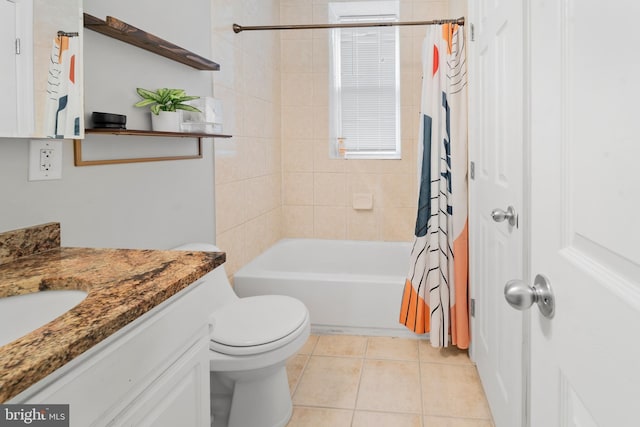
(257, 398)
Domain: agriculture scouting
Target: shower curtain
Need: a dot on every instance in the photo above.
(435, 298)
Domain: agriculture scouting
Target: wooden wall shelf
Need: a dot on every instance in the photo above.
(122, 31)
(135, 132)
(79, 161)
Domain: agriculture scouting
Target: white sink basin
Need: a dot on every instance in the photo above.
(22, 314)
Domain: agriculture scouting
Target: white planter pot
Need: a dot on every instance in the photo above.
(167, 121)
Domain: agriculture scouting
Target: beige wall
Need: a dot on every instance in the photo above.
(458, 8)
(318, 191)
(248, 166)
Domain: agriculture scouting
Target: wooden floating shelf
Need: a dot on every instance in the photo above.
(79, 161)
(134, 132)
(122, 31)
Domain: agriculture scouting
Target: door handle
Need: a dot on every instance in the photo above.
(510, 215)
(521, 296)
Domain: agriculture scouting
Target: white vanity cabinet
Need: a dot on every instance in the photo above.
(153, 372)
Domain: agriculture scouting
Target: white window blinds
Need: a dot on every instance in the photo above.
(365, 105)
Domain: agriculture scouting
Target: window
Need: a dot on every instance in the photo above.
(365, 82)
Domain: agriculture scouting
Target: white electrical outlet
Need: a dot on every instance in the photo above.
(45, 159)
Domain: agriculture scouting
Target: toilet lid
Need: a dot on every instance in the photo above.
(258, 320)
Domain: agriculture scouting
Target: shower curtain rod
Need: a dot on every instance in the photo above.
(239, 28)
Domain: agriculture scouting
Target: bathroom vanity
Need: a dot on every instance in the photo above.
(133, 352)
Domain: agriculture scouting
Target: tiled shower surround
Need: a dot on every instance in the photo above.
(274, 178)
(318, 191)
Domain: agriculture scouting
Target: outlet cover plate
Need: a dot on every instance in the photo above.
(45, 159)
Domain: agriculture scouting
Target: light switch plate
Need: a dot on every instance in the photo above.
(45, 159)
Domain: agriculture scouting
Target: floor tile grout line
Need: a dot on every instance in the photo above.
(304, 367)
(421, 388)
(363, 359)
(462, 365)
(315, 344)
(387, 411)
(312, 406)
(354, 410)
(452, 417)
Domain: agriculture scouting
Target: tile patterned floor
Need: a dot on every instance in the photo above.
(355, 381)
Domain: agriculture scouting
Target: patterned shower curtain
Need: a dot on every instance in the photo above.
(435, 298)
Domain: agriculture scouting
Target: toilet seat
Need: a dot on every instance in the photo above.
(257, 324)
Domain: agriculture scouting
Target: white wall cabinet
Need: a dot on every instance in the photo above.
(10, 38)
(153, 372)
(27, 32)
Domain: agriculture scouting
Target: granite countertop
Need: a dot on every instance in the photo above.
(121, 285)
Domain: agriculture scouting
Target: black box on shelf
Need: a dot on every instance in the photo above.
(108, 120)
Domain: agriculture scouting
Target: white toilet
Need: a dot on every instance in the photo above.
(251, 340)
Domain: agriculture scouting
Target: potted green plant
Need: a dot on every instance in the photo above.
(166, 106)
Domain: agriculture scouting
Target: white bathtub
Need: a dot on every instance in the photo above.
(348, 286)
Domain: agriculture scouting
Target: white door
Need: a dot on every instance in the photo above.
(495, 144)
(585, 197)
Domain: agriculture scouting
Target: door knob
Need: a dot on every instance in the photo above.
(510, 215)
(521, 296)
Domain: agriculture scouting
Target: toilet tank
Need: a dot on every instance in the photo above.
(222, 291)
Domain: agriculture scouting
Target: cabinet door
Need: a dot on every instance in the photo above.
(8, 37)
(178, 397)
